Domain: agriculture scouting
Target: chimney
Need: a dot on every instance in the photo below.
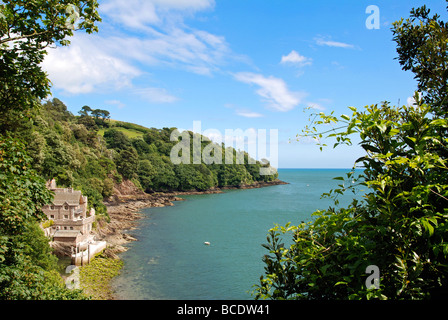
(51, 184)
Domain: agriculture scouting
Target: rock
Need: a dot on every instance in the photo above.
(127, 200)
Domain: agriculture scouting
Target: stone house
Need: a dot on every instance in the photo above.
(72, 221)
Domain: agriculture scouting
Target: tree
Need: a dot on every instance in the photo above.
(399, 227)
(96, 113)
(127, 163)
(26, 267)
(419, 37)
(116, 139)
(27, 28)
(85, 111)
(104, 115)
(146, 173)
(88, 122)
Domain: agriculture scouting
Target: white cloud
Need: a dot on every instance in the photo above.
(83, 67)
(244, 112)
(166, 39)
(117, 103)
(315, 106)
(410, 101)
(295, 58)
(156, 95)
(273, 90)
(113, 59)
(144, 14)
(184, 4)
(131, 13)
(248, 114)
(330, 43)
(197, 51)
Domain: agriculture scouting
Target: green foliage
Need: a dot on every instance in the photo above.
(22, 191)
(400, 226)
(418, 38)
(127, 163)
(27, 28)
(63, 148)
(402, 223)
(146, 173)
(116, 139)
(95, 278)
(27, 268)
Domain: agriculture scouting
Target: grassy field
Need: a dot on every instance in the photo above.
(130, 133)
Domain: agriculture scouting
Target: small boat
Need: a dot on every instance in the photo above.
(207, 243)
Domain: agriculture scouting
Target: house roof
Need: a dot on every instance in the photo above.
(72, 198)
(66, 233)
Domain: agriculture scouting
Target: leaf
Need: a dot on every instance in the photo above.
(428, 227)
(410, 141)
(370, 148)
(439, 122)
(394, 132)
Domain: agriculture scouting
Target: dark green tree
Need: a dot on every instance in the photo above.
(401, 225)
(422, 46)
(27, 29)
(26, 266)
(146, 174)
(127, 163)
(85, 111)
(116, 139)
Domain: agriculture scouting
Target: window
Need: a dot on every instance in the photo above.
(71, 228)
(52, 216)
(65, 216)
(65, 207)
(51, 207)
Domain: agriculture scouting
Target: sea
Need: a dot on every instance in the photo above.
(170, 260)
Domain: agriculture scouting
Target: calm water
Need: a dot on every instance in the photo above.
(170, 260)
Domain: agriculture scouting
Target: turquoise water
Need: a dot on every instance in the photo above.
(170, 260)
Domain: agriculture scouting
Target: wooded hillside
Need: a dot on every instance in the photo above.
(92, 154)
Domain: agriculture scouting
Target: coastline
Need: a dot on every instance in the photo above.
(125, 206)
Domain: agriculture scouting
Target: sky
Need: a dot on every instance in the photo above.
(238, 64)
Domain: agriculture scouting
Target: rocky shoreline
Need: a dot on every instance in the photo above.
(124, 211)
(123, 216)
(125, 206)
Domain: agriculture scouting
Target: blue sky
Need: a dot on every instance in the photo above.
(237, 64)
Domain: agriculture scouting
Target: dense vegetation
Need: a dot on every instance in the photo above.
(95, 277)
(400, 229)
(71, 149)
(57, 144)
(40, 140)
(27, 28)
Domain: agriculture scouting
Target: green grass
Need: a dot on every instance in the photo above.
(128, 132)
(95, 278)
